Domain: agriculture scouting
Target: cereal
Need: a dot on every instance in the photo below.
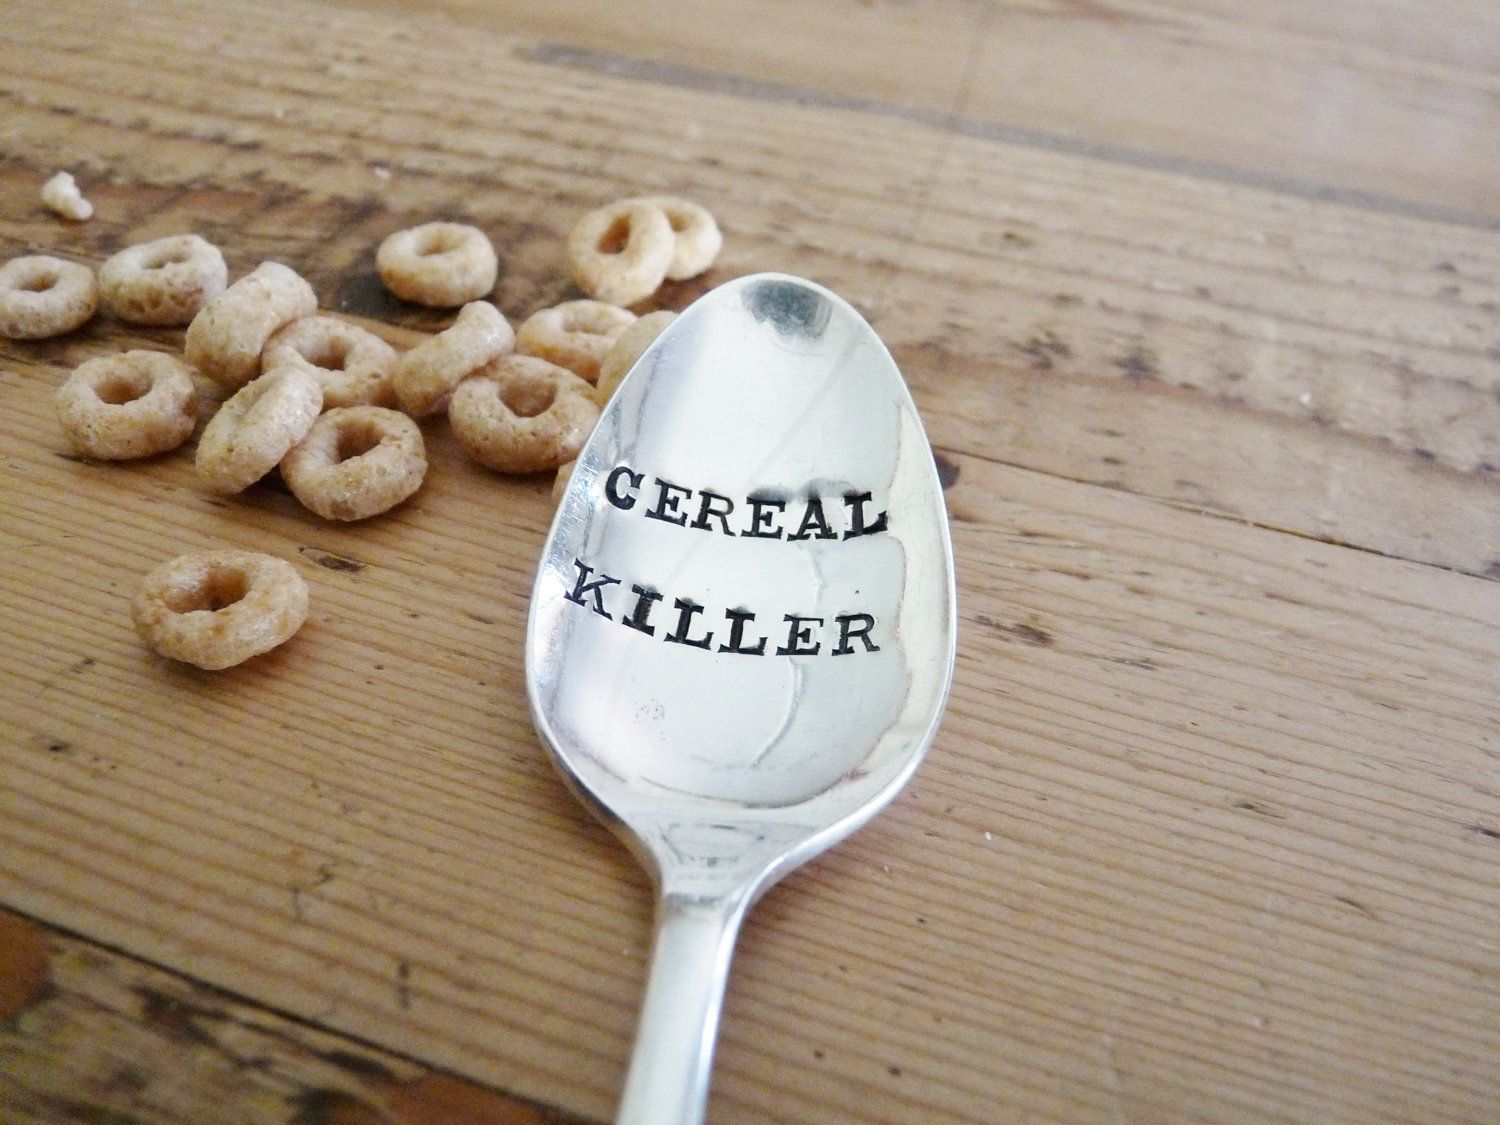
(131, 404)
(520, 414)
(219, 608)
(426, 375)
(574, 334)
(353, 366)
(356, 462)
(441, 265)
(626, 349)
(255, 428)
(695, 235)
(42, 296)
(225, 339)
(621, 252)
(163, 282)
(61, 194)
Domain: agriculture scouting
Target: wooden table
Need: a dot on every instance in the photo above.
(1200, 302)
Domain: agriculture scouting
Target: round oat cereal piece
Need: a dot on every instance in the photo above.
(219, 608)
(356, 462)
(353, 364)
(225, 339)
(441, 265)
(574, 334)
(42, 296)
(696, 239)
(521, 414)
(621, 252)
(132, 404)
(162, 282)
(252, 431)
(426, 375)
(626, 349)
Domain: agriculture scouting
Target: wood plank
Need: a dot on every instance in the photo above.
(1209, 832)
(1319, 368)
(1393, 105)
(1198, 786)
(102, 1037)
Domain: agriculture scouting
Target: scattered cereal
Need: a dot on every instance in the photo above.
(520, 414)
(356, 462)
(61, 194)
(696, 240)
(219, 608)
(163, 282)
(574, 334)
(353, 365)
(131, 404)
(426, 375)
(621, 252)
(42, 296)
(225, 339)
(441, 265)
(252, 432)
(626, 349)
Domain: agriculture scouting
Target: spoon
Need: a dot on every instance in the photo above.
(742, 629)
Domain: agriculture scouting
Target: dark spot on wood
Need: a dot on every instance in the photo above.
(1354, 904)
(1424, 454)
(317, 1107)
(1135, 662)
(58, 745)
(331, 561)
(1044, 350)
(366, 1068)
(24, 957)
(1064, 299)
(1016, 238)
(819, 1053)
(403, 986)
(1445, 267)
(1028, 634)
(1138, 365)
(1112, 460)
(1493, 570)
(1234, 376)
(1259, 809)
(176, 1017)
(947, 469)
(364, 294)
(80, 665)
(1486, 832)
(893, 1070)
(73, 457)
(481, 618)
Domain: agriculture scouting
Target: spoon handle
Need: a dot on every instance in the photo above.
(674, 1042)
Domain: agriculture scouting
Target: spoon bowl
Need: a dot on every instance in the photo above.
(742, 630)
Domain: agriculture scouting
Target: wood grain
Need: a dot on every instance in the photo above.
(1323, 369)
(1211, 829)
(1391, 105)
(110, 1039)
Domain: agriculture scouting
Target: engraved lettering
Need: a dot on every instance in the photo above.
(686, 608)
(855, 502)
(709, 507)
(763, 512)
(584, 586)
(739, 618)
(848, 631)
(668, 496)
(799, 637)
(622, 500)
(645, 599)
(813, 518)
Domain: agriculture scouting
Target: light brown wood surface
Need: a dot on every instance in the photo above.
(1212, 828)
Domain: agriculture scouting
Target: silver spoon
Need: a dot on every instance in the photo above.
(742, 630)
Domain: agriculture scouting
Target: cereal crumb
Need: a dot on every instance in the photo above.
(61, 195)
(382, 173)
